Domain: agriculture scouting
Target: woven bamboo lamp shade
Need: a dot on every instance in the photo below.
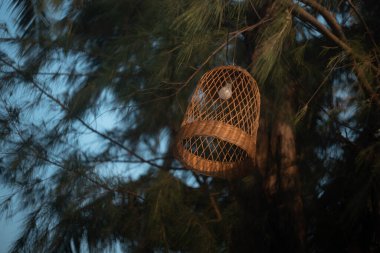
(218, 134)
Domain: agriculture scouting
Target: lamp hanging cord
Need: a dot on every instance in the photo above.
(236, 39)
(227, 44)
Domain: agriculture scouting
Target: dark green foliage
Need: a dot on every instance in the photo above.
(92, 94)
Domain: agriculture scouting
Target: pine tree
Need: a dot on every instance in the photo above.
(315, 183)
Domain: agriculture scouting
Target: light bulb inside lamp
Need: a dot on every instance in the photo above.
(226, 91)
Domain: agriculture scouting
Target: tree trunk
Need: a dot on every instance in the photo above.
(274, 215)
(277, 162)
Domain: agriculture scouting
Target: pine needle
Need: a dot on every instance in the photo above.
(300, 114)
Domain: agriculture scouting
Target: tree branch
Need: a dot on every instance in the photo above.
(370, 34)
(232, 37)
(103, 185)
(85, 124)
(330, 19)
(55, 73)
(365, 85)
(306, 16)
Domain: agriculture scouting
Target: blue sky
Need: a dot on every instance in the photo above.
(106, 119)
(8, 228)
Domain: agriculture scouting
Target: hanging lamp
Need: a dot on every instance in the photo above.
(218, 134)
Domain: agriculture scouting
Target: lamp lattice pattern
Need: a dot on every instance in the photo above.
(218, 133)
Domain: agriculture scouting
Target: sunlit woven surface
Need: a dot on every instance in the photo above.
(218, 134)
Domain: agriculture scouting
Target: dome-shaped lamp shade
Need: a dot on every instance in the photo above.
(218, 134)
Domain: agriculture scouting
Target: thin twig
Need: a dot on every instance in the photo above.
(254, 9)
(101, 184)
(129, 161)
(215, 207)
(65, 108)
(233, 35)
(370, 34)
(55, 73)
(307, 17)
(366, 87)
(323, 82)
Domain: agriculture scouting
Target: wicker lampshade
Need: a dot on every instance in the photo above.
(218, 134)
